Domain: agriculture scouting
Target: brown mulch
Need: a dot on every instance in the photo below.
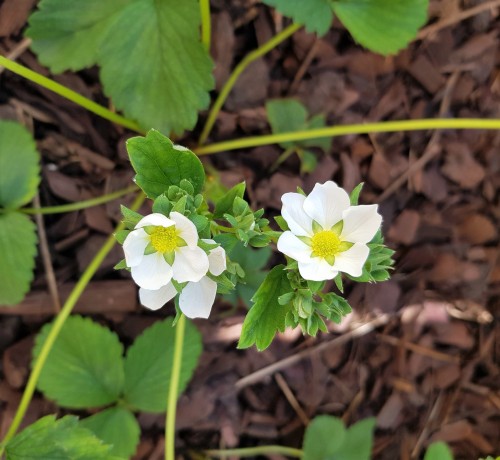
(428, 369)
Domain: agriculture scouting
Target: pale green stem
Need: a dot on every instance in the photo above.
(252, 451)
(68, 94)
(57, 326)
(283, 157)
(206, 25)
(228, 86)
(363, 128)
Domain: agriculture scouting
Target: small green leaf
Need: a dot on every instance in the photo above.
(267, 316)
(358, 441)
(63, 439)
(17, 256)
(286, 115)
(130, 218)
(85, 366)
(162, 205)
(438, 451)
(19, 165)
(159, 164)
(323, 438)
(117, 427)
(148, 365)
(354, 197)
(225, 204)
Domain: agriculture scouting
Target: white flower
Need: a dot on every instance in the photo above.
(327, 235)
(197, 298)
(161, 248)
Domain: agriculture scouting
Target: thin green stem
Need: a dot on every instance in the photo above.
(173, 390)
(364, 128)
(252, 451)
(206, 25)
(228, 86)
(80, 204)
(57, 326)
(68, 94)
(283, 157)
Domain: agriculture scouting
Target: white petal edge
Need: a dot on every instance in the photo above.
(196, 299)
(153, 272)
(134, 245)
(217, 261)
(352, 260)
(293, 212)
(317, 270)
(326, 203)
(185, 229)
(360, 223)
(154, 300)
(156, 219)
(292, 247)
(190, 264)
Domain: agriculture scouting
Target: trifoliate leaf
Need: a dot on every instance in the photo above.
(439, 451)
(267, 316)
(63, 439)
(160, 164)
(148, 365)
(19, 165)
(116, 427)
(85, 366)
(17, 256)
(323, 438)
(153, 64)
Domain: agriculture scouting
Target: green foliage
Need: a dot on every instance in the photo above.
(117, 427)
(327, 439)
(148, 365)
(438, 451)
(49, 438)
(153, 64)
(160, 164)
(225, 203)
(84, 368)
(267, 316)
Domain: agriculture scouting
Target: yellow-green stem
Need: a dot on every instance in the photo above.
(363, 128)
(252, 451)
(80, 204)
(206, 25)
(57, 326)
(228, 86)
(173, 390)
(68, 94)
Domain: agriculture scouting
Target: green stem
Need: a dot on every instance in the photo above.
(228, 86)
(283, 157)
(80, 204)
(364, 128)
(252, 451)
(68, 94)
(206, 25)
(173, 390)
(57, 326)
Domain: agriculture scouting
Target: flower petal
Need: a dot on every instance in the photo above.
(154, 300)
(153, 272)
(217, 261)
(196, 299)
(360, 223)
(291, 246)
(317, 270)
(293, 212)
(190, 264)
(156, 219)
(326, 203)
(134, 246)
(352, 260)
(185, 228)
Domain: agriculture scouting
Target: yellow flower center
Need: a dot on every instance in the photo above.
(326, 244)
(164, 239)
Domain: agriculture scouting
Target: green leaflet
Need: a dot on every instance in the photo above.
(439, 451)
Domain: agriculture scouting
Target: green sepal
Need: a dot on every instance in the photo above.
(121, 235)
(169, 257)
(122, 265)
(354, 197)
(339, 283)
(130, 218)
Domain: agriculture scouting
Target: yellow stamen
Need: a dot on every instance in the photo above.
(326, 244)
(164, 239)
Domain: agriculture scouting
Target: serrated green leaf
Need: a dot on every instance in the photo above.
(19, 165)
(225, 204)
(153, 64)
(323, 438)
(63, 439)
(160, 164)
(118, 428)
(85, 366)
(358, 441)
(267, 316)
(17, 256)
(438, 451)
(148, 365)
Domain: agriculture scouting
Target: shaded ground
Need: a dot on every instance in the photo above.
(427, 363)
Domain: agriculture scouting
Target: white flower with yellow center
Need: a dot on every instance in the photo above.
(162, 248)
(327, 235)
(197, 298)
